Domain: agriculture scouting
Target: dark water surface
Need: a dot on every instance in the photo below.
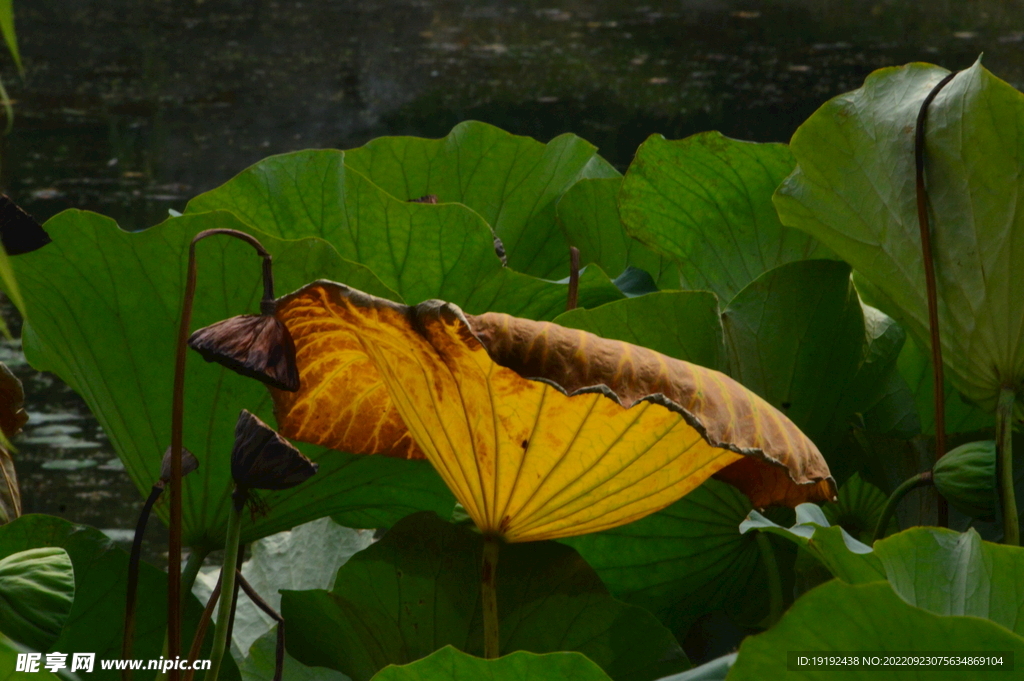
(130, 108)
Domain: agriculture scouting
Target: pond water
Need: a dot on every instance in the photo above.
(130, 108)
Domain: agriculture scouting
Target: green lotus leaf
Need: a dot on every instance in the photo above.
(956, 573)
(961, 417)
(9, 651)
(799, 323)
(680, 324)
(37, 588)
(261, 662)
(845, 557)
(418, 589)
(858, 509)
(854, 189)
(684, 561)
(103, 308)
(513, 182)
(421, 251)
(838, 617)
(95, 622)
(306, 557)
(589, 214)
(945, 572)
(451, 663)
(706, 202)
(714, 670)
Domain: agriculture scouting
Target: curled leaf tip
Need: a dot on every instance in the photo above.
(257, 346)
(540, 431)
(262, 459)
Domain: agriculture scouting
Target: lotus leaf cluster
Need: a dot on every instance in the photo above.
(584, 420)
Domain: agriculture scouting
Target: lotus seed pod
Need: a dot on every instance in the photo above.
(966, 478)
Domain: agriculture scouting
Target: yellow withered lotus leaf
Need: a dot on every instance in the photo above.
(540, 431)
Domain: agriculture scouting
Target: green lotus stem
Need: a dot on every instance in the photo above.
(220, 634)
(920, 480)
(489, 594)
(1004, 439)
(196, 557)
(771, 567)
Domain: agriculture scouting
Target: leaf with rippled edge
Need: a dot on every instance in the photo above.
(706, 201)
(417, 589)
(589, 215)
(940, 570)
(95, 622)
(608, 433)
(870, 617)
(854, 189)
(513, 182)
(422, 251)
(103, 309)
(449, 663)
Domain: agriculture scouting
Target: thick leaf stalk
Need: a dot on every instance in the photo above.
(1004, 433)
(489, 595)
(920, 480)
(771, 566)
(226, 605)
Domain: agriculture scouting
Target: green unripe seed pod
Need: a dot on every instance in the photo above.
(966, 478)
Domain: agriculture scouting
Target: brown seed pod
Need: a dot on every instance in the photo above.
(257, 346)
(262, 459)
(189, 463)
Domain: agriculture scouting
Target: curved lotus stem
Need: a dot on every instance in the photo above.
(920, 480)
(938, 380)
(177, 418)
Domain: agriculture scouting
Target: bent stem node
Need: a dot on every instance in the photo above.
(920, 480)
(1004, 435)
(489, 595)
